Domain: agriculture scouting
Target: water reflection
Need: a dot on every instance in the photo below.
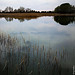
(64, 20)
(21, 19)
(31, 59)
(36, 47)
(8, 19)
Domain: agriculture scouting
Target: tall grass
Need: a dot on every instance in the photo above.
(27, 59)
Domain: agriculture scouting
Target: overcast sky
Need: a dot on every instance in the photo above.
(34, 4)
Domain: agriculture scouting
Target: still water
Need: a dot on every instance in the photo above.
(46, 46)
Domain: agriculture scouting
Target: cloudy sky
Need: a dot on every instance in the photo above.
(34, 4)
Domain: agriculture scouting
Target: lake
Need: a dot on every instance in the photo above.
(37, 46)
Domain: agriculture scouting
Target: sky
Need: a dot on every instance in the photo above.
(34, 4)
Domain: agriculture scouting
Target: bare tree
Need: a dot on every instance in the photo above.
(21, 9)
(28, 10)
(0, 10)
(8, 9)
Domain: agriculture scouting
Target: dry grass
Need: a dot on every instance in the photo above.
(32, 14)
(27, 60)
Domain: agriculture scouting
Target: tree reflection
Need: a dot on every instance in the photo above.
(21, 19)
(8, 19)
(64, 20)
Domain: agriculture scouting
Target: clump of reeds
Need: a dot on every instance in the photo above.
(26, 59)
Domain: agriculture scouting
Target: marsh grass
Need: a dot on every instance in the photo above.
(27, 59)
(32, 14)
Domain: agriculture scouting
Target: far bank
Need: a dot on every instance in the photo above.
(32, 14)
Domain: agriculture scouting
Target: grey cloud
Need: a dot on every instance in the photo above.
(34, 4)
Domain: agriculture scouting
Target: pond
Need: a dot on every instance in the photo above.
(37, 46)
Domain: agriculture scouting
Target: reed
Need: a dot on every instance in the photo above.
(27, 60)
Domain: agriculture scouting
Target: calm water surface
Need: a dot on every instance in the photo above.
(50, 41)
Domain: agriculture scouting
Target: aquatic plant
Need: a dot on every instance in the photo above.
(33, 59)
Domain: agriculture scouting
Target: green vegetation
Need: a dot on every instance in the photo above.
(65, 8)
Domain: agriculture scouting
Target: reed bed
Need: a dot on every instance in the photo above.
(32, 14)
(33, 59)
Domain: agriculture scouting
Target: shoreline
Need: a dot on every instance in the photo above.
(32, 14)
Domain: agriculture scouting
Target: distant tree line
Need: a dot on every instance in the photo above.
(65, 8)
(21, 10)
